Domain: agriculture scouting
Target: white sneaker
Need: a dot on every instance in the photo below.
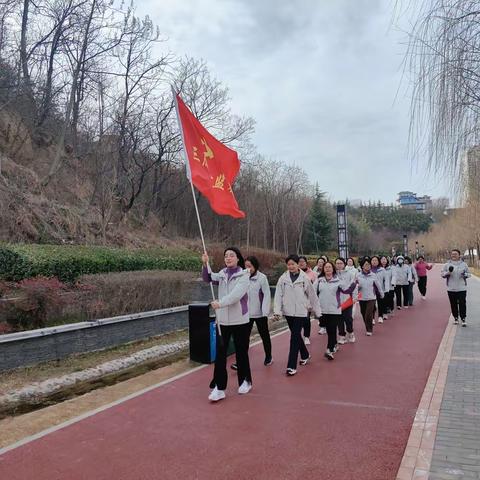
(342, 340)
(423, 298)
(455, 321)
(373, 322)
(369, 334)
(244, 388)
(385, 317)
(406, 306)
(304, 362)
(351, 338)
(380, 320)
(291, 372)
(322, 331)
(216, 395)
(399, 308)
(306, 340)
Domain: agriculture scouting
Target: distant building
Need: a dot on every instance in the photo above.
(414, 202)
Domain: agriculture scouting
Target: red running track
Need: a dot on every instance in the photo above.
(346, 419)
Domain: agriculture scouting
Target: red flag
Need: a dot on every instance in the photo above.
(212, 166)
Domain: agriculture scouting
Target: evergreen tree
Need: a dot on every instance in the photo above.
(318, 235)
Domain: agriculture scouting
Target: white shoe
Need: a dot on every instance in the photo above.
(351, 338)
(291, 372)
(322, 331)
(369, 334)
(423, 298)
(373, 322)
(385, 317)
(244, 388)
(306, 340)
(342, 340)
(216, 395)
(304, 362)
(406, 306)
(399, 308)
(455, 321)
(380, 320)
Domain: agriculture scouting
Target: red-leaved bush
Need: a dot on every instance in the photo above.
(31, 300)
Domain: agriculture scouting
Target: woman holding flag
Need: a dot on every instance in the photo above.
(231, 310)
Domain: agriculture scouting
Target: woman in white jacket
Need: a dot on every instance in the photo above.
(259, 304)
(231, 310)
(329, 288)
(294, 296)
(401, 278)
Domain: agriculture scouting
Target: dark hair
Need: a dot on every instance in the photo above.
(325, 257)
(456, 250)
(319, 258)
(364, 260)
(341, 259)
(420, 257)
(238, 253)
(254, 261)
(378, 258)
(386, 258)
(408, 259)
(328, 262)
(353, 260)
(303, 257)
(292, 256)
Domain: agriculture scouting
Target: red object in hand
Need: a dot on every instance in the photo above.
(212, 166)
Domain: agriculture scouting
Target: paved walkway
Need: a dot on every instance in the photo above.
(348, 419)
(456, 453)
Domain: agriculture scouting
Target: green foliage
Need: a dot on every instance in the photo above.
(67, 262)
(401, 220)
(320, 227)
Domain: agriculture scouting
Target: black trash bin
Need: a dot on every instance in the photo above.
(202, 334)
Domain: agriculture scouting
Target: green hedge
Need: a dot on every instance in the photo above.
(67, 262)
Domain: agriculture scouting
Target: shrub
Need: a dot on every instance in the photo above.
(68, 262)
(35, 299)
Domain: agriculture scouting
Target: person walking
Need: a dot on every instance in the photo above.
(401, 277)
(305, 267)
(456, 272)
(347, 300)
(319, 265)
(368, 288)
(414, 279)
(294, 296)
(351, 265)
(231, 310)
(421, 267)
(259, 304)
(387, 287)
(379, 271)
(329, 288)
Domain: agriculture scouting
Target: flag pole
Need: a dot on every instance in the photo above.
(189, 175)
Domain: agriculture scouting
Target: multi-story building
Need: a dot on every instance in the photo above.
(413, 201)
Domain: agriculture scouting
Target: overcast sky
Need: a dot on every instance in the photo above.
(322, 79)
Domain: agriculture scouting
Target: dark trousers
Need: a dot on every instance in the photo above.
(345, 324)
(410, 293)
(295, 324)
(458, 302)
(381, 306)
(241, 340)
(399, 289)
(331, 324)
(390, 300)
(422, 285)
(262, 327)
(321, 322)
(307, 326)
(367, 307)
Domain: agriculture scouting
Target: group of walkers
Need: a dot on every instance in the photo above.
(330, 292)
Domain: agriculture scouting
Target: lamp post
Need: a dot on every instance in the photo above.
(405, 245)
(342, 231)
